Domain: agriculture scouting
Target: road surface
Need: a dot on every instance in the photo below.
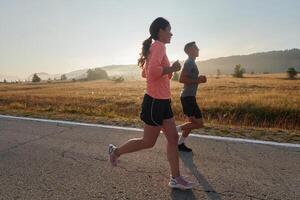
(47, 160)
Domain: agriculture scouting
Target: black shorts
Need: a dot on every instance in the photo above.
(154, 111)
(190, 107)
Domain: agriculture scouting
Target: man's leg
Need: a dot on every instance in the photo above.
(186, 128)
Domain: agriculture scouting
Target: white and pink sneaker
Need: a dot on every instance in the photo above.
(112, 156)
(181, 182)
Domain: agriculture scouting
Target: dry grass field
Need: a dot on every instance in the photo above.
(258, 106)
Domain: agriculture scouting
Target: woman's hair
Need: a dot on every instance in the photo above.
(157, 24)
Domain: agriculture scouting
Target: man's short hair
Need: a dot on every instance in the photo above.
(189, 45)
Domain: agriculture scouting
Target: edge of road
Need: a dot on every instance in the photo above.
(211, 137)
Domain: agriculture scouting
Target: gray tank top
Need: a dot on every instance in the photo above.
(191, 69)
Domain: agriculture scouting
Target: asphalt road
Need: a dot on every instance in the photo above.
(41, 160)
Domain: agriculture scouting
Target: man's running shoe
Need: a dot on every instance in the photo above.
(112, 157)
(182, 147)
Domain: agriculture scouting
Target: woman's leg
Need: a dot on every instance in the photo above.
(172, 150)
(149, 139)
(176, 181)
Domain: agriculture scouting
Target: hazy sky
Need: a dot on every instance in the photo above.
(58, 36)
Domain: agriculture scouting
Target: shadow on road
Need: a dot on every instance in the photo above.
(187, 159)
(177, 194)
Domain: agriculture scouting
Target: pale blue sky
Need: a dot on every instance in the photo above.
(58, 36)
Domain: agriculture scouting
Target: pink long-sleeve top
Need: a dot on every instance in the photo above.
(158, 85)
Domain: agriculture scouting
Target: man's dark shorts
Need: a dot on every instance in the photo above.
(190, 107)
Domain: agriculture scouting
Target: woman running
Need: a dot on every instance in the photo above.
(156, 107)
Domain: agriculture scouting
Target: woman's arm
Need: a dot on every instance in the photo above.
(154, 65)
(174, 68)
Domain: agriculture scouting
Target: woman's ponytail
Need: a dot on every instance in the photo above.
(145, 50)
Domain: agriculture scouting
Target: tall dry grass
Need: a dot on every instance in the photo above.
(258, 101)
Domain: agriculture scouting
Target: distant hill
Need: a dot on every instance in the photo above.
(127, 71)
(9, 78)
(272, 62)
(78, 74)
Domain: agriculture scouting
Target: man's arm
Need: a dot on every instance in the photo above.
(184, 78)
